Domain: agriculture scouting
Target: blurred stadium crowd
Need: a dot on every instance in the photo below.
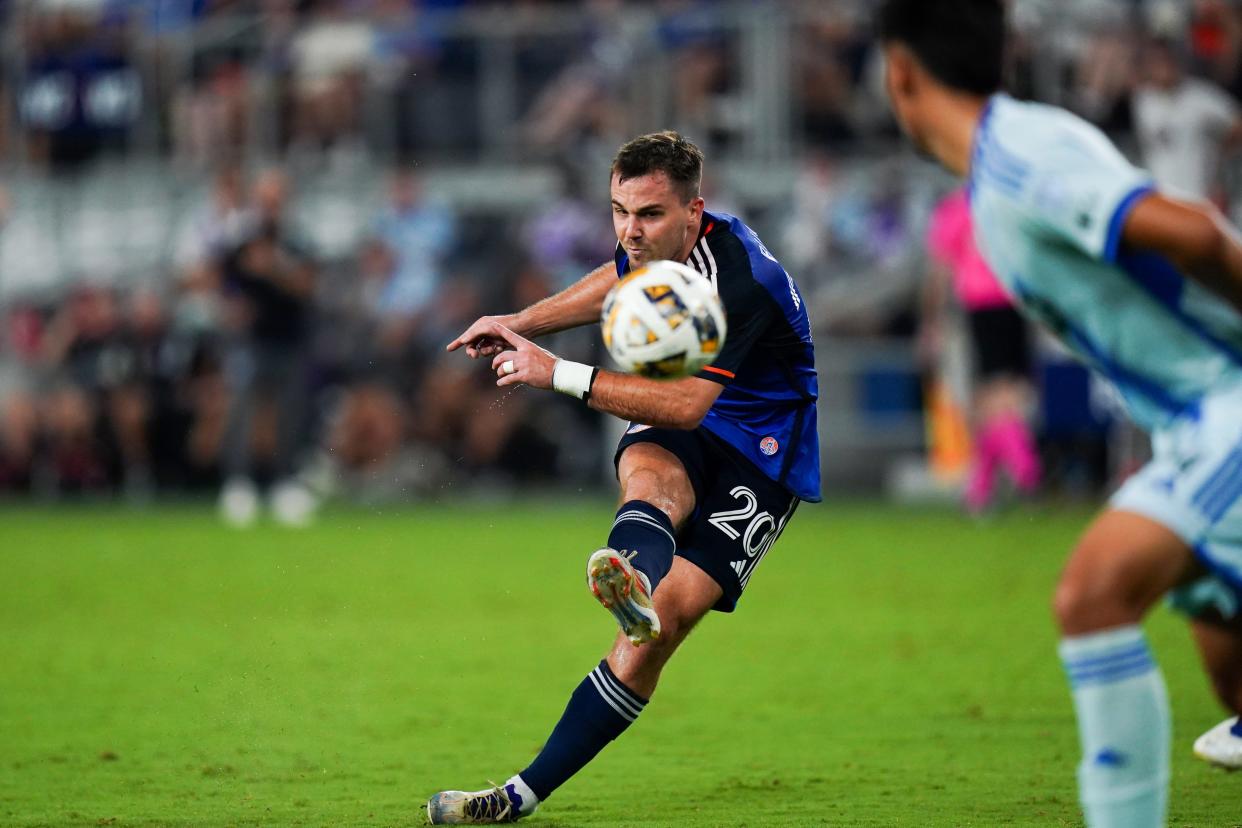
(236, 234)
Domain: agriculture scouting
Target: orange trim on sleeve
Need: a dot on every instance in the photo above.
(720, 371)
(710, 225)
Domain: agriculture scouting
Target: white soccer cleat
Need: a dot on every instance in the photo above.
(488, 807)
(625, 592)
(1222, 745)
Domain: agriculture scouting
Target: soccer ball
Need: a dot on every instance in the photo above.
(663, 320)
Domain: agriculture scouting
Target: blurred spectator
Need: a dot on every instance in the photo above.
(269, 283)
(1214, 38)
(88, 363)
(212, 230)
(582, 104)
(1184, 125)
(830, 58)
(1002, 394)
(570, 236)
(79, 95)
(211, 115)
(20, 343)
(329, 57)
(703, 75)
(405, 261)
(807, 231)
(370, 454)
(1104, 76)
(406, 48)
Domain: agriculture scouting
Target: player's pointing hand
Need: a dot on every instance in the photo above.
(522, 361)
(479, 340)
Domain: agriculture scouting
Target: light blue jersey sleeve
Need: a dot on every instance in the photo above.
(1080, 191)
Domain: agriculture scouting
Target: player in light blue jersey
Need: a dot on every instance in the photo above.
(1147, 290)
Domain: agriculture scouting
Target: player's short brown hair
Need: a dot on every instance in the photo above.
(667, 152)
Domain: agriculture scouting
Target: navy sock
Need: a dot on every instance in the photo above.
(598, 712)
(646, 531)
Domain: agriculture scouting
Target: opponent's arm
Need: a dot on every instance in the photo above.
(1194, 237)
(680, 403)
(578, 304)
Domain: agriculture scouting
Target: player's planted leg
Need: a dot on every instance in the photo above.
(600, 709)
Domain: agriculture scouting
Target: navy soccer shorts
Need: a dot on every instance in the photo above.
(738, 514)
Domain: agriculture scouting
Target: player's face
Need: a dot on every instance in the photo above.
(652, 219)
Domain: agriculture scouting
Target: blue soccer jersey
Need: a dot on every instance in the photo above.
(766, 411)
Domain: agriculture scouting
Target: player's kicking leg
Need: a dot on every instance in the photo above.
(602, 707)
(1121, 567)
(657, 497)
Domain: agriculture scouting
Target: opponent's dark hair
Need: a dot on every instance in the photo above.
(667, 152)
(960, 42)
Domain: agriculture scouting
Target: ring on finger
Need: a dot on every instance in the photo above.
(506, 368)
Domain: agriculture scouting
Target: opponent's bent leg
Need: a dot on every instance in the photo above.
(612, 696)
(1122, 565)
(1220, 645)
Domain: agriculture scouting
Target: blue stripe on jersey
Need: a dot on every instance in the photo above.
(1157, 275)
(1126, 378)
(1004, 176)
(1215, 507)
(1002, 159)
(1123, 377)
(976, 151)
(1112, 242)
(1225, 571)
(989, 159)
(1222, 488)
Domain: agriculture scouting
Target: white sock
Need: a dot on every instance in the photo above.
(529, 801)
(1123, 724)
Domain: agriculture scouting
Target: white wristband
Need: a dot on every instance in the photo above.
(573, 378)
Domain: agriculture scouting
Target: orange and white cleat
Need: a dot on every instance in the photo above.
(626, 593)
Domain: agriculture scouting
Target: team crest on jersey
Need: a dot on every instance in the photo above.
(769, 446)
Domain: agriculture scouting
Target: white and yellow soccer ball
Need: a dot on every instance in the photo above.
(664, 320)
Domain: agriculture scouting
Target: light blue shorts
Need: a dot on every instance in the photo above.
(1193, 485)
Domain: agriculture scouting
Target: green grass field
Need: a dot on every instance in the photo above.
(886, 667)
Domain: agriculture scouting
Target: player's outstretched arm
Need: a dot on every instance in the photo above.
(1194, 236)
(678, 403)
(578, 304)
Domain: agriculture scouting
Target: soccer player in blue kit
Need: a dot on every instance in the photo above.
(1147, 290)
(711, 468)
